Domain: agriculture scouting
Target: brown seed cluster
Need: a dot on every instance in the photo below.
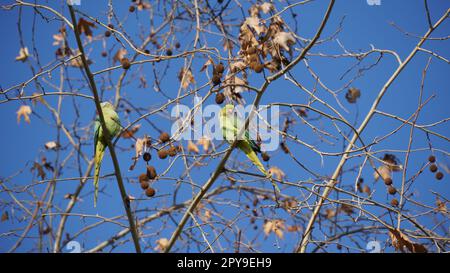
(434, 168)
(125, 63)
(145, 178)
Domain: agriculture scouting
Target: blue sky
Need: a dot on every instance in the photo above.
(364, 25)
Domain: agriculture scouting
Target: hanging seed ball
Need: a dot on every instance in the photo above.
(131, 9)
(150, 192)
(265, 157)
(388, 181)
(432, 158)
(143, 178)
(162, 154)
(107, 33)
(220, 98)
(215, 79)
(151, 172)
(125, 63)
(394, 202)
(104, 54)
(252, 220)
(220, 68)
(392, 190)
(172, 151)
(164, 137)
(439, 175)
(433, 168)
(146, 51)
(145, 185)
(111, 26)
(169, 52)
(258, 68)
(177, 45)
(147, 156)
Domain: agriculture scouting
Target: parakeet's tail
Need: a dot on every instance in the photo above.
(255, 160)
(99, 152)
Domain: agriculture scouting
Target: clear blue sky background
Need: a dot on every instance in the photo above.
(363, 25)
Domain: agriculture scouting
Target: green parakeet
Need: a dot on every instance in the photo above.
(113, 125)
(231, 125)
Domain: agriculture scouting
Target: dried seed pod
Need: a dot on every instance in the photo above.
(151, 172)
(215, 79)
(220, 68)
(104, 54)
(143, 178)
(147, 156)
(432, 158)
(172, 151)
(394, 202)
(258, 68)
(150, 192)
(265, 156)
(107, 33)
(169, 52)
(177, 45)
(433, 168)
(388, 181)
(111, 26)
(164, 137)
(392, 190)
(162, 154)
(145, 185)
(131, 8)
(125, 63)
(439, 175)
(220, 98)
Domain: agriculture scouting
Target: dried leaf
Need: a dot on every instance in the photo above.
(284, 40)
(191, 147)
(25, 111)
(330, 213)
(39, 169)
(52, 145)
(401, 242)
(206, 64)
(23, 54)
(120, 54)
(186, 77)
(267, 227)
(129, 133)
(293, 228)
(162, 244)
(78, 62)
(266, 7)
(141, 5)
(85, 26)
(384, 171)
(277, 172)
(140, 146)
(5, 216)
(441, 206)
(205, 142)
(276, 226)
